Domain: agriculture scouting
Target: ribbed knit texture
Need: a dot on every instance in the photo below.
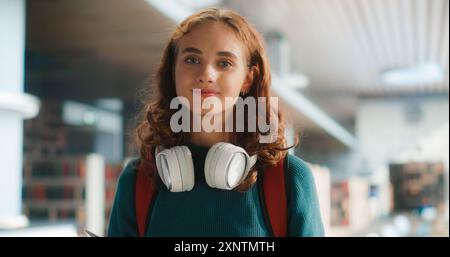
(206, 211)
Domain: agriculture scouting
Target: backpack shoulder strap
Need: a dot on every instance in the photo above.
(274, 199)
(144, 194)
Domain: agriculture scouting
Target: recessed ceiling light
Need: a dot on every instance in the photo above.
(416, 75)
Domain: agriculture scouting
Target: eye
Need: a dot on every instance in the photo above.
(192, 60)
(225, 64)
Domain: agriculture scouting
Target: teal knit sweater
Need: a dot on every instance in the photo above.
(206, 211)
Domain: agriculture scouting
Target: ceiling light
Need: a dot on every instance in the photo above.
(416, 75)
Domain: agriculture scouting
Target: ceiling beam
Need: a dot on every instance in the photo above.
(301, 104)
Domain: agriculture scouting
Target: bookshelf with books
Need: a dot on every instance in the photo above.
(350, 204)
(53, 189)
(56, 189)
(54, 168)
(417, 184)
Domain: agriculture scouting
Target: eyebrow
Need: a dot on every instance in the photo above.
(220, 53)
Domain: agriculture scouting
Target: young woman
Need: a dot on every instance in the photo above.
(206, 180)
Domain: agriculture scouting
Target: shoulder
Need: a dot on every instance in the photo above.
(299, 178)
(127, 177)
(130, 168)
(304, 209)
(298, 171)
(122, 219)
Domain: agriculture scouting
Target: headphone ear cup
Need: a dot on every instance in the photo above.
(175, 169)
(234, 163)
(159, 164)
(184, 159)
(210, 165)
(164, 161)
(226, 166)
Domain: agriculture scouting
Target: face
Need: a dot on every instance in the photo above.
(213, 60)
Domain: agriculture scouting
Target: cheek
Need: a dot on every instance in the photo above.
(231, 85)
(182, 79)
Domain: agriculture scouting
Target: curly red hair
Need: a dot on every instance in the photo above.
(154, 127)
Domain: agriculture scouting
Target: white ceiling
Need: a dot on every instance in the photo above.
(344, 45)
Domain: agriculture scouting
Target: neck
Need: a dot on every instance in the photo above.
(208, 139)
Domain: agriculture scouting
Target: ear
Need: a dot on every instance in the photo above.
(248, 80)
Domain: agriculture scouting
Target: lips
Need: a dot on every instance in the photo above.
(209, 92)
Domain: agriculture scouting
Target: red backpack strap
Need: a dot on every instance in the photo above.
(144, 194)
(274, 199)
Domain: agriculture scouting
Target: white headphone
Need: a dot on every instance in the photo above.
(226, 166)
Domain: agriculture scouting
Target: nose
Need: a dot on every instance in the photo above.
(207, 76)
